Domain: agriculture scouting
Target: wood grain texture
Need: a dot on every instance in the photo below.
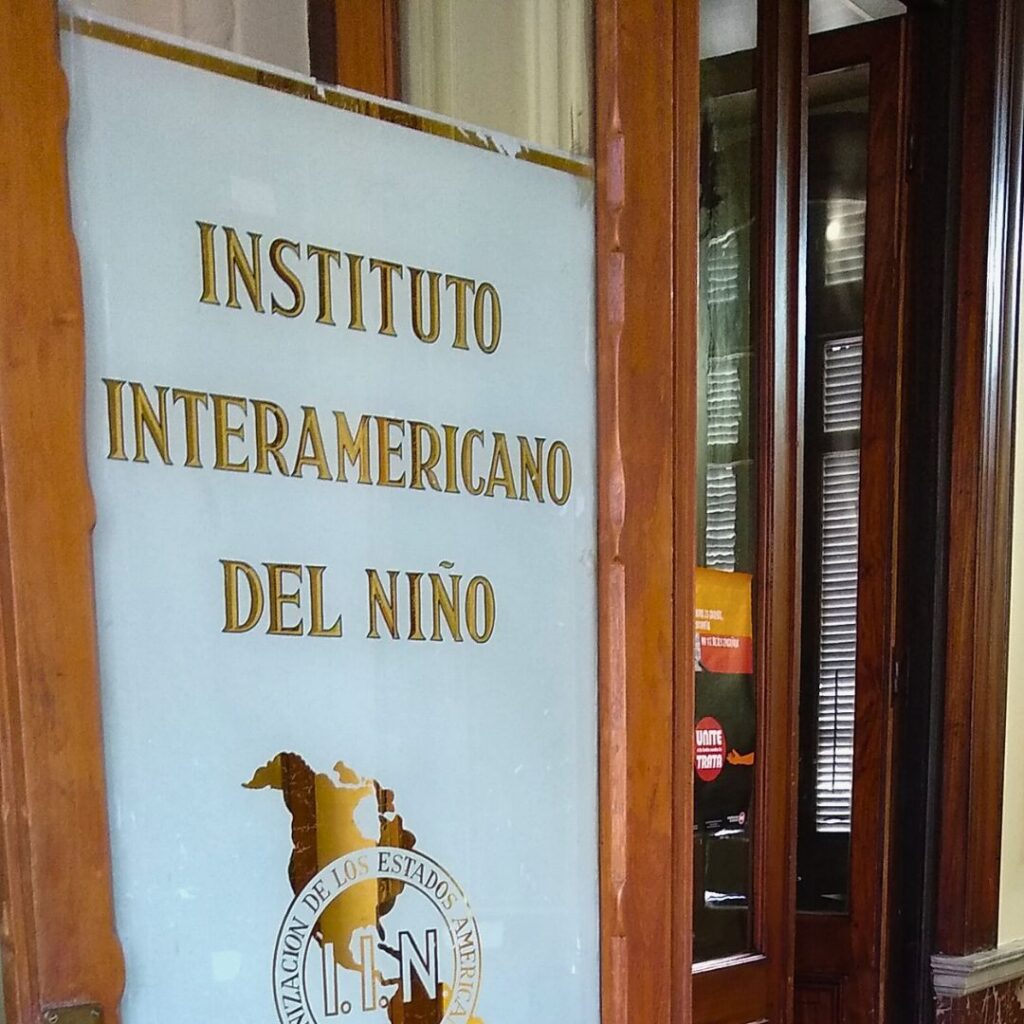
(57, 922)
(367, 46)
(646, 358)
(980, 481)
(818, 1002)
(927, 402)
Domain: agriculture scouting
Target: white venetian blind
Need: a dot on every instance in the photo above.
(720, 520)
(844, 241)
(837, 635)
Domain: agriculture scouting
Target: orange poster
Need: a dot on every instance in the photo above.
(723, 622)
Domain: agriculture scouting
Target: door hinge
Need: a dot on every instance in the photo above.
(83, 1013)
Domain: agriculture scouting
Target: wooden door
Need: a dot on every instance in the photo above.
(61, 955)
(850, 506)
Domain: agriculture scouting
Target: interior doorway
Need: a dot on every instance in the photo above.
(822, 944)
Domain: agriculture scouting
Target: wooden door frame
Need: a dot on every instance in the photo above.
(58, 938)
(58, 934)
(354, 43)
(987, 318)
(647, 76)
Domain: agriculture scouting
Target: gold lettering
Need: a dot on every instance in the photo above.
(501, 469)
(530, 463)
(278, 598)
(316, 604)
(467, 462)
(451, 478)
(148, 421)
(352, 448)
(208, 263)
(462, 285)
(480, 583)
(355, 292)
(232, 619)
(424, 466)
(386, 604)
(191, 400)
(267, 447)
(289, 277)
(478, 317)
(323, 275)
(434, 280)
(445, 605)
(223, 432)
(559, 497)
(310, 437)
(387, 294)
(115, 418)
(415, 616)
(249, 268)
(386, 451)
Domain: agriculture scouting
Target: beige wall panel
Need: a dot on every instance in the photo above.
(1011, 891)
(520, 68)
(274, 31)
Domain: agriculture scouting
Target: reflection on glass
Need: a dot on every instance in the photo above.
(725, 728)
(836, 223)
(516, 67)
(273, 31)
(825, 15)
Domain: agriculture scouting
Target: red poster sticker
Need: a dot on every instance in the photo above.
(727, 654)
(708, 749)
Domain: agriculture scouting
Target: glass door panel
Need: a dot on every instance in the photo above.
(837, 137)
(340, 395)
(726, 713)
(851, 428)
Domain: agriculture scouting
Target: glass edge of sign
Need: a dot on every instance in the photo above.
(108, 29)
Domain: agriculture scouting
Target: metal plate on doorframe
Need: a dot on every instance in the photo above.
(83, 1013)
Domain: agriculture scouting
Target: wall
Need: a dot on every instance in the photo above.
(521, 68)
(1011, 896)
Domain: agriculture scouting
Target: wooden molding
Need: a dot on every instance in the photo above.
(981, 483)
(354, 43)
(646, 315)
(367, 46)
(56, 908)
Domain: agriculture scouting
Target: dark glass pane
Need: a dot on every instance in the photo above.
(836, 227)
(825, 15)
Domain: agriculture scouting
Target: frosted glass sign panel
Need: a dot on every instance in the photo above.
(340, 426)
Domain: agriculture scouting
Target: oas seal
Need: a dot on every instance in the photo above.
(383, 932)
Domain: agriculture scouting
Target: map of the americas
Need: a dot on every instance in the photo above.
(327, 824)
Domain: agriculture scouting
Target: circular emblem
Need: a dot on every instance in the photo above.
(373, 929)
(708, 749)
